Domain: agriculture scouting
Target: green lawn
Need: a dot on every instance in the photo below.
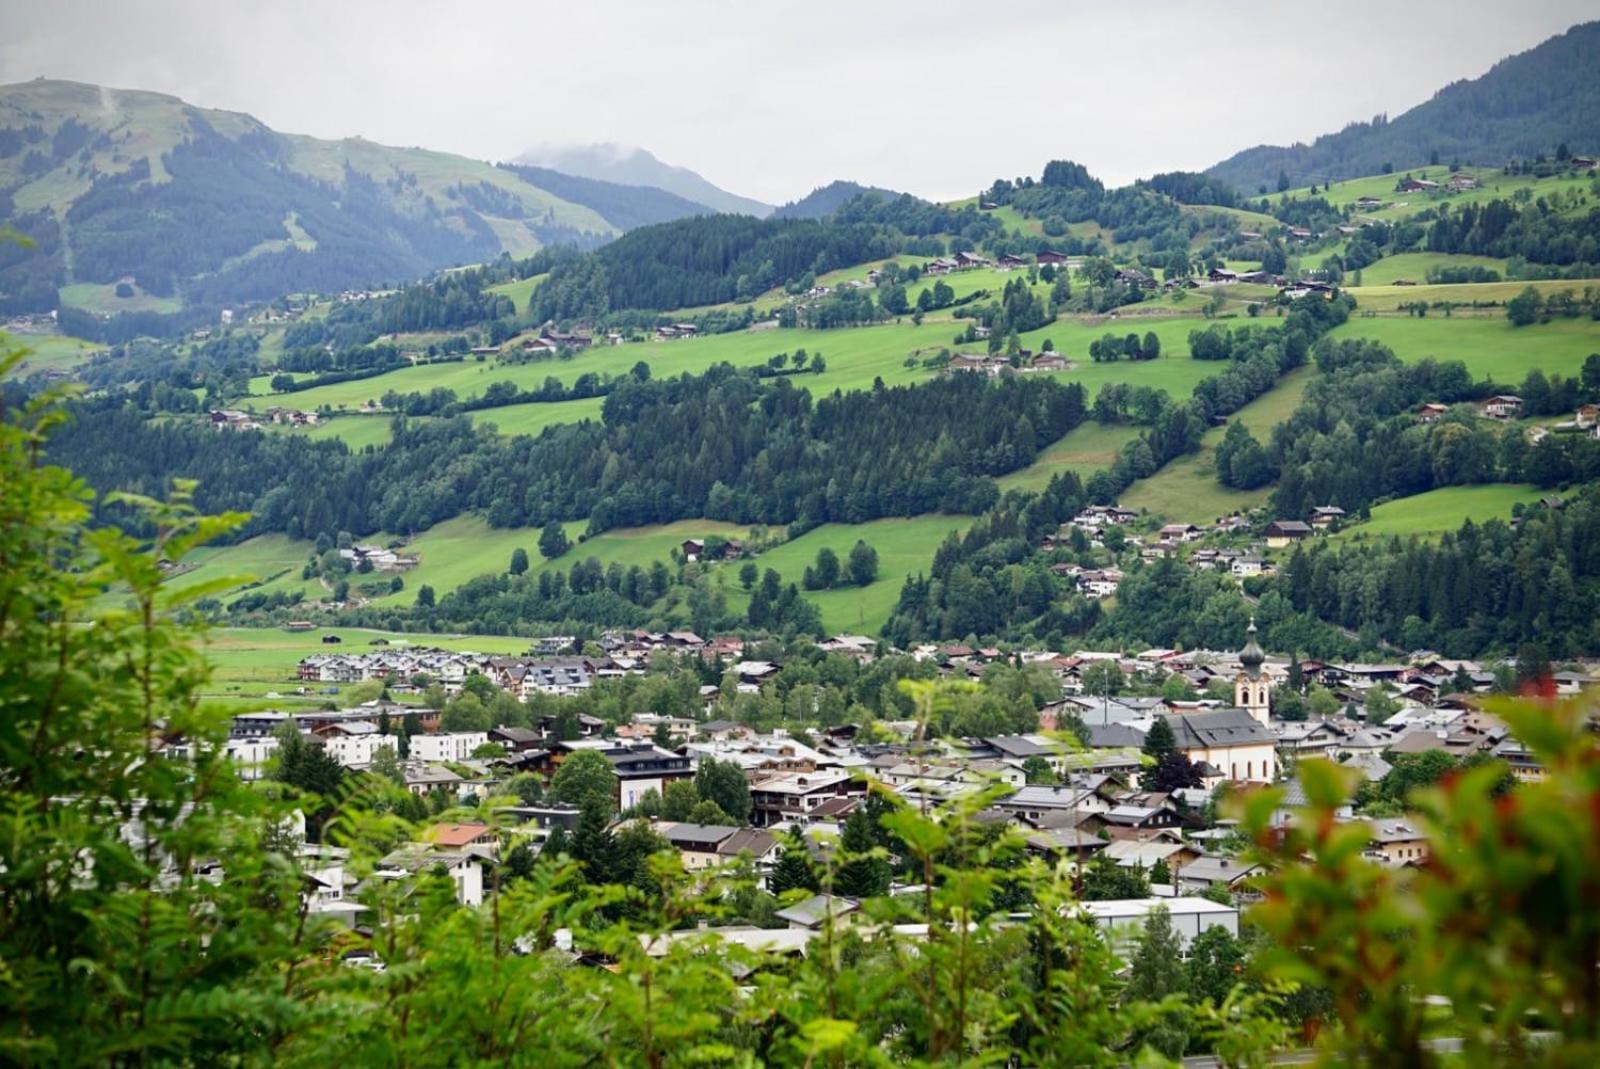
(268, 563)
(1439, 511)
(1493, 184)
(905, 547)
(1187, 491)
(102, 299)
(1488, 347)
(1414, 266)
(1085, 449)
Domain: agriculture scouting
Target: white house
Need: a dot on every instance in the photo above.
(1123, 919)
(447, 746)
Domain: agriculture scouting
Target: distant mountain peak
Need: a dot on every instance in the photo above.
(630, 165)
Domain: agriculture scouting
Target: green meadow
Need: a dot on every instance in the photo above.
(355, 431)
(519, 291)
(905, 547)
(101, 299)
(1414, 267)
(1439, 511)
(52, 352)
(1085, 449)
(1187, 491)
(1490, 348)
(1492, 295)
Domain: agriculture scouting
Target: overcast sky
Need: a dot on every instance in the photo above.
(769, 99)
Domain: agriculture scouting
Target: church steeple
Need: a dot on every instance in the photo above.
(1251, 691)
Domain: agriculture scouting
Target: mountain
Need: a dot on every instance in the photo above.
(1525, 105)
(625, 207)
(141, 197)
(631, 166)
(825, 200)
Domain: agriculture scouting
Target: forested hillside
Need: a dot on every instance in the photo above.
(623, 206)
(1524, 106)
(825, 200)
(144, 194)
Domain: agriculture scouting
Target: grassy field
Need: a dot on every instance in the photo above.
(1488, 347)
(465, 547)
(102, 299)
(1187, 491)
(1493, 184)
(854, 359)
(519, 291)
(905, 547)
(269, 563)
(254, 667)
(1085, 449)
(53, 352)
(1414, 266)
(356, 431)
(1439, 511)
(1390, 298)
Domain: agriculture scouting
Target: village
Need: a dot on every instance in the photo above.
(1111, 778)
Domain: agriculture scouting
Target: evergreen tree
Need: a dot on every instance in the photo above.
(793, 870)
(724, 783)
(862, 874)
(553, 541)
(519, 561)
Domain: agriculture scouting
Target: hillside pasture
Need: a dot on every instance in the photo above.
(1187, 490)
(1490, 348)
(1084, 450)
(1491, 295)
(1437, 512)
(52, 352)
(520, 291)
(905, 547)
(102, 300)
(1414, 267)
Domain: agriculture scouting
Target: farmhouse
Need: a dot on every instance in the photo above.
(695, 548)
(1501, 406)
(1282, 532)
(1222, 276)
(1050, 361)
(1461, 182)
(1132, 276)
(1415, 185)
(1008, 261)
(1431, 412)
(1325, 516)
(1369, 204)
(1050, 256)
(972, 259)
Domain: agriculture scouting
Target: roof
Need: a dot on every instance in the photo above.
(1213, 869)
(812, 912)
(1043, 796)
(1221, 728)
(705, 836)
(457, 834)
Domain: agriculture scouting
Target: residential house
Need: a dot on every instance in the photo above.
(1416, 185)
(1325, 516)
(1212, 871)
(1501, 406)
(644, 767)
(1281, 533)
(447, 746)
(1460, 183)
(1124, 919)
(1432, 412)
(1397, 841)
(795, 796)
(1099, 584)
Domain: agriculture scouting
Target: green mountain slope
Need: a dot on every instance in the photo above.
(214, 207)
(1524, 105)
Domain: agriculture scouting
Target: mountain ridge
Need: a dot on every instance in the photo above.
(825, 200)
(1525, 104)
(631, 165)
(216, 207)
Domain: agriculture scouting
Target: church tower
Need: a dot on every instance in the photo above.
(1251, 690)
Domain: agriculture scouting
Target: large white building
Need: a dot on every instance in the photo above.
(447, 746)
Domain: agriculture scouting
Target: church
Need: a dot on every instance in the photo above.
(1233, 745)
